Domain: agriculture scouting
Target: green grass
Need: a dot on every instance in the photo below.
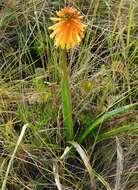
(81, 116)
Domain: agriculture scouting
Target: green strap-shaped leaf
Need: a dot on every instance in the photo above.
(117, 131)
(98, 121)
(103, 118)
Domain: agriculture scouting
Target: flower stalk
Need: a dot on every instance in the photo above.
(66, 98)
(67, 32)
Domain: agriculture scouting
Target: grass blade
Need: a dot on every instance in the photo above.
(13, 155)
(91, 171)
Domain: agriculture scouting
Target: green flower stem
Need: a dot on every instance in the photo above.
(66, 98)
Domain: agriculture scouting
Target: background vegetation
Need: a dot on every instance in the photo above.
(104, 88)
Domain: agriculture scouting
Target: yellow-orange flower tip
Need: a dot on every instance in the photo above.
(69, 30)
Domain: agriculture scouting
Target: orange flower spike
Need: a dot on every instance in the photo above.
(69, 30)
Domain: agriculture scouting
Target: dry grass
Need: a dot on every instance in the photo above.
(103, 77)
